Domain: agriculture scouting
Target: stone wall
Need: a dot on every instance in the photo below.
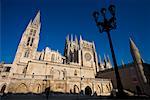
(100, 87)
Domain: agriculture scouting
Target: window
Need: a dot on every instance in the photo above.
(40, 57)
(32, 42)
(34, 31)
(28, 41)
(31, 30)
(26, 55)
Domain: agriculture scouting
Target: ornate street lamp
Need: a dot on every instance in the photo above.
(106, 26)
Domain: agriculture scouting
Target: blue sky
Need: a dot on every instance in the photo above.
(62, 17)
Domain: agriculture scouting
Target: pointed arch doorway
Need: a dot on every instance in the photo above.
(88, 91)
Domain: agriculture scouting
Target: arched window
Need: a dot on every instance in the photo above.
(32, 42)
(99, 90)
(22, 88)
(76, 89)
(31, 31)
(28, 41)
(88, 90)
(38, 89)
(26, 54)
(34, 31)
(107, 88)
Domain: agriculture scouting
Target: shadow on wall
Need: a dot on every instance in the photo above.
(47, 93)
(21, 87)
(59, 96)
(76, 94)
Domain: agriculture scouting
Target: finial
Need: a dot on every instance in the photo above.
(108, 59)
(67, 38)
(71, 38)
(76, 39)
(80, 38)
(100, 61)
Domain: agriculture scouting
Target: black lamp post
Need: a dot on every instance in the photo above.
(106, 26)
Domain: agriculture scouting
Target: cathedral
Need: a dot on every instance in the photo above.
(34, 71)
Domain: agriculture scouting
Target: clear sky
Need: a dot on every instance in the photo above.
(62, 17)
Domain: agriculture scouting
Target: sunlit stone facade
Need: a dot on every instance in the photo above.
(33, 71)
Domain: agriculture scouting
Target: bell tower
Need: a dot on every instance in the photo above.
(29, 41)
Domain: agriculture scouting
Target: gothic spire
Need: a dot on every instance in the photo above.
(132, 45)
(36, 20)
(71, 38)
(67, 38)
(80, 38)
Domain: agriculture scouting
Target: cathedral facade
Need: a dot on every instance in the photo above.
(34, 71)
